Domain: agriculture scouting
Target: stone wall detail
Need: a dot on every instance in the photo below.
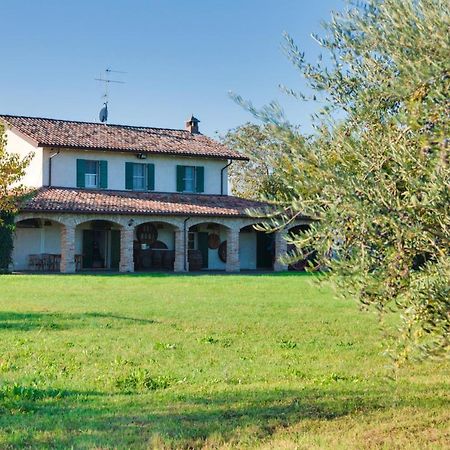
(232, 264)
(126, 263)
(280, 251)
(68, 249)
(181, 264)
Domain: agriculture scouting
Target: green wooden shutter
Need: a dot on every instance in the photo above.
(180, 178)
(150, 177)
(103, 174)
(128, 175)
(80, 173)
(199, 179)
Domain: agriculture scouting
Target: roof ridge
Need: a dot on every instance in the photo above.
(93, 123)
(63, 133)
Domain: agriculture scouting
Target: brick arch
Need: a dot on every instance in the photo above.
(21, 217)
(200, 220)
(176, 223)
(296, 224)
(249, 223)
(84, 219)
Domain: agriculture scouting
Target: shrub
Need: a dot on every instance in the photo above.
(6, 240)
(141, 380)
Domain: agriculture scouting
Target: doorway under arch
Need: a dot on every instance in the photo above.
(154, 246)
(37, 245)
(97, 245)
(207, 246)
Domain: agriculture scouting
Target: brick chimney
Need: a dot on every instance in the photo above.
(192, 125)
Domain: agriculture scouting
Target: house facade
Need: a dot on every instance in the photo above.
(113, 197)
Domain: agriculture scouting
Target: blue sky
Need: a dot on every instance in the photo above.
(181, 57)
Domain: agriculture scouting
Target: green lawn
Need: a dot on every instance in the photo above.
(162, 361)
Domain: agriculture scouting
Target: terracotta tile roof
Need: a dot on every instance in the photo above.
(71, 200)
(97, 136)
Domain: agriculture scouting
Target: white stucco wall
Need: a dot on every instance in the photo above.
(167, 236)
(64, 169)
(247, 250)
(17, 144)
(29, 241)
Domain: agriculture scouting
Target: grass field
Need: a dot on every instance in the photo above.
(161, 361)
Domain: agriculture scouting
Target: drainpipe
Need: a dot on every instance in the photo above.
(221, 176)
(185, 242)
(50, 167)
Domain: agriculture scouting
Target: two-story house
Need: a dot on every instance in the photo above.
(132, 198)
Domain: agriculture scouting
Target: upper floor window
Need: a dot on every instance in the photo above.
(139, 177)
(92, 174)
(190, 179)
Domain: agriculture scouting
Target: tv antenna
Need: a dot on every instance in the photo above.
(106, 80)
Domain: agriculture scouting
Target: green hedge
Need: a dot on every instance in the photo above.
(6, 240)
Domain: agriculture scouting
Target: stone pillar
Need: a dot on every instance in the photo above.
(233, 264)
(181, 264)
(280, 251)
(67, 249)
(126, 249)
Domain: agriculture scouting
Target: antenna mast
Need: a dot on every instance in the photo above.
(103, 116)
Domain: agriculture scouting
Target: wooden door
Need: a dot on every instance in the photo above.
(88, 248)
(264, 250)
(115, 249)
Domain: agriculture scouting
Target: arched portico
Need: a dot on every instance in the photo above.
(257, 248)
(119, 244)
(37, 244)
(154, 245)
(213, 245)
(309, 254)
(263, 250)
(97, 244)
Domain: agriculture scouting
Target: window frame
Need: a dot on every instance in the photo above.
(194, 179)
(87, 174)
(144, 177)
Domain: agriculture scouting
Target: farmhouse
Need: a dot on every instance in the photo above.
(132, 198)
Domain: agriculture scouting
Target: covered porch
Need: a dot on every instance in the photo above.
(70, 230)
(74, 243)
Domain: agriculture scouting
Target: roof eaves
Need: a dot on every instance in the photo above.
(130, 150)
(137, 212)
(21, 133)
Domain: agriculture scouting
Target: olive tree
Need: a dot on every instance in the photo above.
(376, 175)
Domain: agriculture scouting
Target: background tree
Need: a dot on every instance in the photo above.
(378, 179)
(12, 169)
(266, 152)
